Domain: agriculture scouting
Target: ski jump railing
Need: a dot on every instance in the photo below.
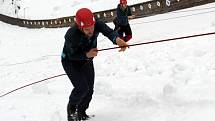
(144, 9)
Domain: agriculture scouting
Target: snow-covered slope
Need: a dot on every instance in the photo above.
(169, 81)
(47, 9)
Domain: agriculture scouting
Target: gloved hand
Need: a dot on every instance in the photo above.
(122, 44)
(92, 53)
(131, 17)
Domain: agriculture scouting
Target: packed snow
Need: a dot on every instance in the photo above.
(47, 9)
(169, 81)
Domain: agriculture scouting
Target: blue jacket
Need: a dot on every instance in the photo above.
(122, 15)
(77, 44)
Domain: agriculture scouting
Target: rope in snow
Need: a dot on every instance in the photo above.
(31, 84)
(29, 61)
(170, 18)
(184, 11)
(198, 9)
(164, 40)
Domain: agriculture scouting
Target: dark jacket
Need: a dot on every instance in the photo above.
(77, 44)
(122, 15)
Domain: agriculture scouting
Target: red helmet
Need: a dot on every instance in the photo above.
(84, 18)
(123, 1)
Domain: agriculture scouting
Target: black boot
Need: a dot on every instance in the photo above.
(72, 114)
(83, 116)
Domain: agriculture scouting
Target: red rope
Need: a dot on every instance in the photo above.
(164, 40)
(30, 84)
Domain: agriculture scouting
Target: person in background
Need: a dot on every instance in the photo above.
(16, 7)
(121, 22)
(79, 49)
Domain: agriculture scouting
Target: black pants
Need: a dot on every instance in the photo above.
(81, 74)
(124, 30)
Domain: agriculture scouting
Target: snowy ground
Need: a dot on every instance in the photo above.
(170, 81)
(47, 9)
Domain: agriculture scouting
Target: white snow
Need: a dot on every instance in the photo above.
(47, 9)
(169, 81)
